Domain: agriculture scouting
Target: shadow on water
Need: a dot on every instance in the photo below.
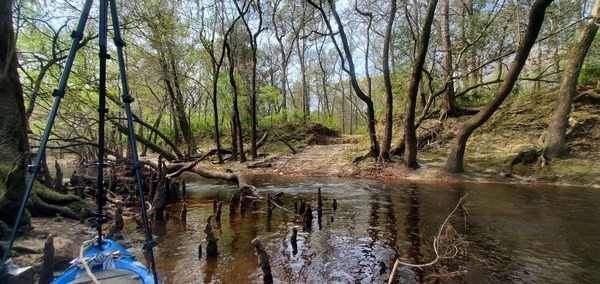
(514, 234)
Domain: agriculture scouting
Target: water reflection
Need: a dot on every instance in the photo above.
(515, 234)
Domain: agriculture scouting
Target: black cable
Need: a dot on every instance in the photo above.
(103, 55)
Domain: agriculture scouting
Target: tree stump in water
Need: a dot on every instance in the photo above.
(46, 276)
(301, 207)
(294, 240)
(119, 218)
(232, 205)
(58, 185)
(307, 217)
(183, 215)
(183, 190)
(263, 260)
(113, 182)
(269, 206)
(211, 241)
(114, 232)
(244, 202)
(219, 211)
(159, 204)
(319, 203)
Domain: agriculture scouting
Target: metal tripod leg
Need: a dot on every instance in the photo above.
(127, 99)
(58, 95)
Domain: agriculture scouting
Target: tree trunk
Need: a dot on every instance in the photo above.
(253, 94)
(186, 129)
(236, 112)
(410, 134)
(13, 131)
(454, 164)
(346, 55)
(555, 137)
(305, 96)
(449, 105)
(14, 145)
(384, 154)
(121, 128)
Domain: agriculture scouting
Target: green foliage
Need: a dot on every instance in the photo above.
(590, 73)
(272, 120)
(474, 99)
(360, 130)
(330, 122)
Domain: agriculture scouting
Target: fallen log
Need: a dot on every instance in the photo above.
(193, 167)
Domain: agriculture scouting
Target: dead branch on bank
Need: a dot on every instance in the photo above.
(447, 244)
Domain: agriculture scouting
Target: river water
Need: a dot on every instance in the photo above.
(513, 233)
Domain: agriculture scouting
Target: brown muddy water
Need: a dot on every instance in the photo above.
(515, 234)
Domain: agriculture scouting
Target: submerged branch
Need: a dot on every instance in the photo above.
(447, 236)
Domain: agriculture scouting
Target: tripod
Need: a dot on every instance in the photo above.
(59, 93)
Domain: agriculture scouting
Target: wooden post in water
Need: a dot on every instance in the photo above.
(214, 206)
(211, 241)
(46, 276)
(263, 261)
(334, 204)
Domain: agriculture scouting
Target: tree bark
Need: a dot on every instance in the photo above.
(384, 153)
(555, 136)
(13, 132)
(454, 164)
(14, 145)
(410, 134)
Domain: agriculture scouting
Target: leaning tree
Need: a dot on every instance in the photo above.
(454, 164)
